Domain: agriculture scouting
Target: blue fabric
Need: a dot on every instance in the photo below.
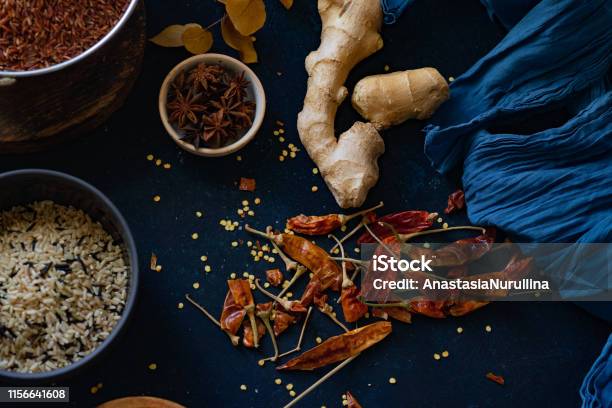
(596, 390)
(508, 13)
(549, 186)
(392, 9)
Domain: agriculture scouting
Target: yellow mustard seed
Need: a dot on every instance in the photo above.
(158, 268)
(203, 258)
(488, 328)
(199, 214)
(459, 330)
(281, 158)
(292, 155)
(386, 68)
(266, 284)
(150, 157)
(343, 228)
(257, 200)
(196, 285)
(245, 274)
(181, 305)
(156, 198)
(445, 225)
(314, 189)
(289, 387)
(167, 166)
(233, 275)
(195, 235)
(276, 133)
(292, 393)
(436, 356)
(245, 202)
(319, 340)
(451, 79)
(158, 162)
(285, 153)
(234, 244)
(392, 380)
(152, 366)
(93, 389)
(239, 158)
(281, 131)
(315, 171)
(445, 354)
(207, 268)
(426, 245)
(243, 387)
(281, 139)
(278, 381)
(261, 362)
(439, 219)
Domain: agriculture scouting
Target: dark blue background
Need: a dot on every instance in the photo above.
(543, 350)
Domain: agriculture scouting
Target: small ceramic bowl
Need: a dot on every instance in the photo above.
(255, 93)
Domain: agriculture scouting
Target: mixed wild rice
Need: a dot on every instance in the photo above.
(63, 286)
(39, 33)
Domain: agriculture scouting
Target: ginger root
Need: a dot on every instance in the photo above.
(390, 99)
(348, 165)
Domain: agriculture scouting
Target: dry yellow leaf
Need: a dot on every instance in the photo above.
(239, 42)
(172, 36)
(287, 3)
(197, 40)
(247, 16)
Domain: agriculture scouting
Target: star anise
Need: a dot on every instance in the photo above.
(236, 87)
(243, 114)
(205, 76)
(216, 127)
(185, 107)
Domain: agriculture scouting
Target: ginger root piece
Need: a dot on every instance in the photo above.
(348, 164)
(390, 99)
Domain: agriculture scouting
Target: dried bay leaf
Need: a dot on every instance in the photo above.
(172, 36)
(248, 16)
(197, 40)
(239, 42)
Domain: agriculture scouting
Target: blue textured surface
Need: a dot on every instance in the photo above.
(543, 350)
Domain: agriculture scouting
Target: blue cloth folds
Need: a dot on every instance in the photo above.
(392, 9)
(596, 390)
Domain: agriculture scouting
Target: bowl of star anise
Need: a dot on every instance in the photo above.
(212, 105)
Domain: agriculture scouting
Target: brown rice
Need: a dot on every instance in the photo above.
(63, 286)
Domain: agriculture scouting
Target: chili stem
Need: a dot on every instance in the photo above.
(283, 302)
(216, 22)
(330, 313)
(347, 236)
(397, 304)
(234, 339)
(298, 273)
(299, 343)
(351, 260)
(379, 241)
(265, 318)
(320, 381)
(347, 218)
(346, 282)
(262, 234)
(290, 265)
(251, 313)
(203, 310)
(406, 237)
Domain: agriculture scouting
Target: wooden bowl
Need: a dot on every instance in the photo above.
(255, 93)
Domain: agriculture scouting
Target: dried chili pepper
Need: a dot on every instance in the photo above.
(264, 312)
(274, 277)
(282, 321)
(248, 340)
(323, 224)
(288, 305)
(496, 378)
(351, 401)
(231, 317)
(341, 347)
(456, 201)
(429, 308)
(241, 292)
(247, 184)
(313, 257)
(516, 269)
(458, 253)
(404, 222)
(352, 308)
(461, 308)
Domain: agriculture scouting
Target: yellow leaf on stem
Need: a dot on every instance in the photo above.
(247, 16)
(197, 40)
(239, 42)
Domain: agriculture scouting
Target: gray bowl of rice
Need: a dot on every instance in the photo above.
(68, 274)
